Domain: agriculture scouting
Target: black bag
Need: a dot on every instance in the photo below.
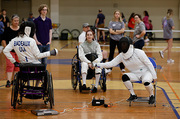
(91, 57)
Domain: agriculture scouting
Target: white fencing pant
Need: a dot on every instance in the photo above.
(85, 67)
(144, 77)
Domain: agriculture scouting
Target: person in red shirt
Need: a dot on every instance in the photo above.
(131, 24)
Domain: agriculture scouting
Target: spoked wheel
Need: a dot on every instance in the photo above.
(14, 93)
(50, 90)
(102, 80)
(75, 33)
(74, 72)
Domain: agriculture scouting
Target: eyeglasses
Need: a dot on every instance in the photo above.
(44, 9)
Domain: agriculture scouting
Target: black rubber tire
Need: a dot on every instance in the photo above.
(50, 90)
(15, 89)
(75, 33)
(74, 72)
(102, 80)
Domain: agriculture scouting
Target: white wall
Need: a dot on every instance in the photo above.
(73, 13)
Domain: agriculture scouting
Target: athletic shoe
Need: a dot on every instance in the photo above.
(107, 71)
(85, 88)
(151, 99)
(146, 40)
(94, 90)
(132, 97)
(161, 54)
(123, 70)
(8, 84)
(12, 82)
(170, 61)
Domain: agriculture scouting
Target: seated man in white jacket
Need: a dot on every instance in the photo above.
(88, 47)
(140, 67)
(25, 46)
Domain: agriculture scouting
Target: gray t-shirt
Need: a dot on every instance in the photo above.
(167, 28)
(116, 26)
(138, 30)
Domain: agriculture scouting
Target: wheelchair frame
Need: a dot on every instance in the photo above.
(22, 89)
(146, 99)
(76, 75)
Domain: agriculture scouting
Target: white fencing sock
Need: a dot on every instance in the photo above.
(97, 79)
(129, 86)
(149, 88)
(84, 77)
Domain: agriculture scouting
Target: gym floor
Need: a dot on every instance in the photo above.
(71, 104)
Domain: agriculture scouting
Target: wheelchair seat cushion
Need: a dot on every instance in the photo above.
(91, 57)
(32, 67)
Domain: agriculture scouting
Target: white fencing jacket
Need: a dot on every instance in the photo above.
(26, 49)
(135, 60)
(87, 48)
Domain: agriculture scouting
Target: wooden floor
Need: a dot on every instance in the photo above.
(75, 105)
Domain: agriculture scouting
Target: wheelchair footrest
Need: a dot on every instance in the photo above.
(141, 99)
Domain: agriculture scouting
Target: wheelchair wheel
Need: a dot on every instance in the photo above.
(75, 33)
(50, 90)
(102, 80)
(15, 89)
(74, 72)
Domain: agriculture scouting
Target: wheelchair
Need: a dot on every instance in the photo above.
(146, 99)
(76, 75)
(25, 81)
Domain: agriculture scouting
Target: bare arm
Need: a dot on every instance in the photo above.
(141, 35)
(97, 20)
(116, 32)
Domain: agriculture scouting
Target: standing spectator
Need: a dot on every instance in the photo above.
(150, 28)
(1, 28)
(131, 24)
(116, 29)
(10, 33)
(5, 19)
(139, 32)
(100, 22)
(43, 35)
(146, 22)
(125, 22)
(31, 18)
(168, 26)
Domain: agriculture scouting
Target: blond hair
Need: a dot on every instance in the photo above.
(120, 18)
(41, 7)
(169, 13)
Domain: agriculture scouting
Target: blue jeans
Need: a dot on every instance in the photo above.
(44, 48)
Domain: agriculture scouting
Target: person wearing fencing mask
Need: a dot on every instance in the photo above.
(25, 46)
(140, 67)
